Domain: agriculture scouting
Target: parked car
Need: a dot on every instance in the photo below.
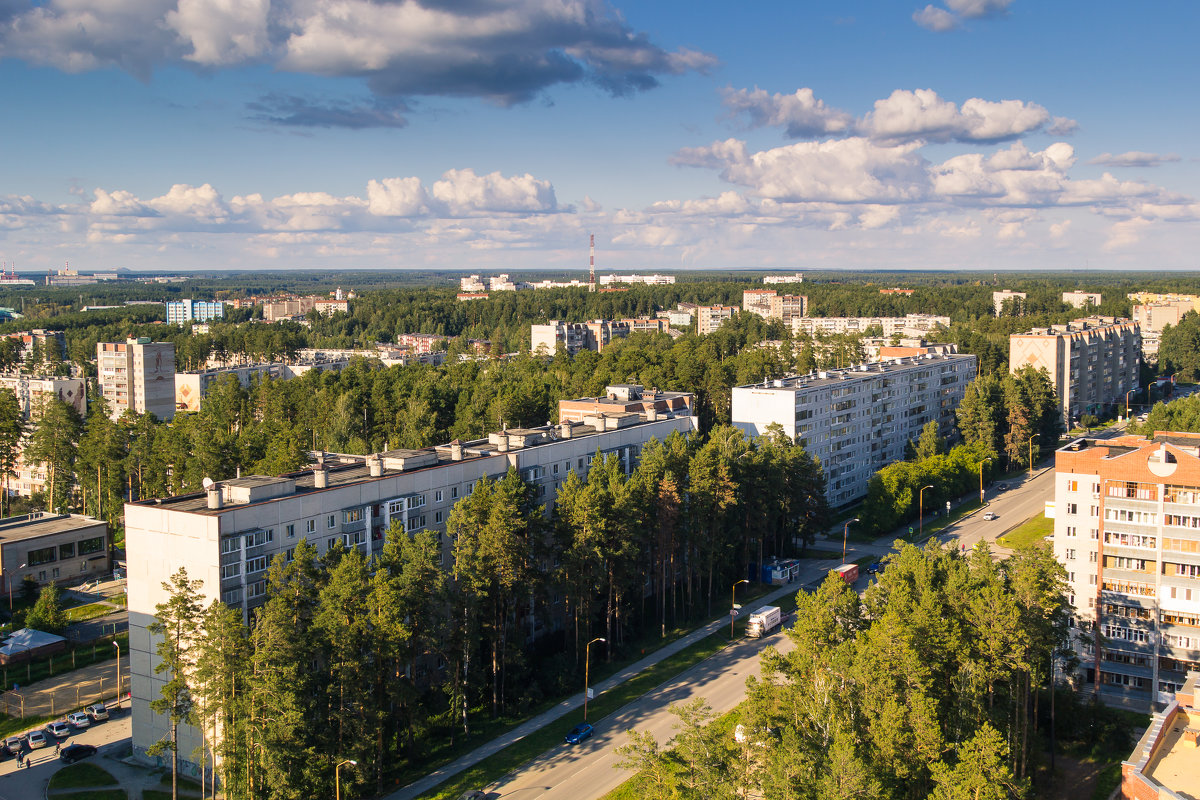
(1001, 487)
(579, 733)
(36, 739)
(73, 752)
(79, 720)
(59, 729)
(990, 515)
(875, 567)
(97, 713)
(13, 744)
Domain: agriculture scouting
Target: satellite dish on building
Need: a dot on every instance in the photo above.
(207, 483)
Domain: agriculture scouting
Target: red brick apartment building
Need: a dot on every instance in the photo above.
(1127, 529)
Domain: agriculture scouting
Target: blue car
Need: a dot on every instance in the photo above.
(579, 733)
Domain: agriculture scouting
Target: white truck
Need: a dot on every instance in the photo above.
(763, 621)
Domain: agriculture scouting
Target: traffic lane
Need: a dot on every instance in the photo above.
(1012, 507)
(30, 781)
(587, 770)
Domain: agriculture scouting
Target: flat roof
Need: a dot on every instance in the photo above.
(346, 469)
(41, 523)
(835, 376)
(1176, 761)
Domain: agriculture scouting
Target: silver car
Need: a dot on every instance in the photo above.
(59, 729)
(97, 712)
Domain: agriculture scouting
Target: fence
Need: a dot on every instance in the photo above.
(32, 690)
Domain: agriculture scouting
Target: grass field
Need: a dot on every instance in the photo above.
(1031, 532)
(89, 611)
(78, 776)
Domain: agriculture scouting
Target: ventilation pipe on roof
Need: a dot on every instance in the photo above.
(375, 465)
(321, 476)
(456, 450)
(214, 496)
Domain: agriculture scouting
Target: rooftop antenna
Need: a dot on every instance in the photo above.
(592, 273)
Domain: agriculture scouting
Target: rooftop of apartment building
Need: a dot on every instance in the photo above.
(1078, 326)
(1081, 455)
(835, 376)
(1168, 754)
(332, 470)
(42, 523)
(618, 396)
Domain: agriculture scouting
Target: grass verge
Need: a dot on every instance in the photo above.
(1107, 781)
(89, 611)
(40, 669)
(79, 776)
(496, 766)
(10, 726)
(1030, 532)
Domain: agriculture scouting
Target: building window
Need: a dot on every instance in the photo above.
(353, 515)
(231, 570)
(437, 516)
(415, 522)
(1070, 555)
(257, 564)
(329, 544)
(233, 597)
(291, 531)
(231, 544)
(1072, 508)
(311, 526)
(88, 546)
(437, 496)
(66, 551)
(453, 492)
(291, 554)
(270, 534)
(43, 555)
(254, 590)
(54, 573)
(332, 522)
(42, 576)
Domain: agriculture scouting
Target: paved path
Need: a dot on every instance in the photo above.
(66, 691)
(811, 571)
(112, 737)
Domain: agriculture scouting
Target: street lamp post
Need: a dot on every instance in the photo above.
(845, 533)
(921, 510)
(981, 463)
(587, 661)
(1131, 391)
(337, 778)
(8, 580)
(117, 645)
(1031, 438)
(732, 603)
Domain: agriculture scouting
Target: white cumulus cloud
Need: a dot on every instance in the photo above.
(801, 114)
(922, 114)
(461, 192)
(1135, 158)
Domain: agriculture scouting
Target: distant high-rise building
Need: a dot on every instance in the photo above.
(137, 375)
(1017, 298)
(1081, 299)
(181, 311)
(709, 318)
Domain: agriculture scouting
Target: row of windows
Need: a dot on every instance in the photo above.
(1136, 517)
(47, 555)
(1124, 634)
(1181, 545)
(1130, 539)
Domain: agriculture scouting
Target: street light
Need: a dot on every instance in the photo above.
(587, 661)
(981, 463)
(337, 778)
(1131, 391)
(845, 533)
(1031, 438)
(732, 603)
(921, 507)
(117, 645)
(8, 580)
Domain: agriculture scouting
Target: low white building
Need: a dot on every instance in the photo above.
(912, 325)
(647, 280)
(858, 420)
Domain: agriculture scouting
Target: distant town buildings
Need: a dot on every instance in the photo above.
(858, 420)
(627, 398)
(137, 375)
(51, 344)
(1127, 530)
(494, 283)
(296, 308)
(229, 535)
(466, 296)
(44, 548)
(1092, 362)
(69, 277)
(769, 304)
(180, 312)
(594, 335)
(1154, 312)
(776, 279)
(1017, 299)
(1081, 299)
(709, 318)
(647, 280)
(192, 386)
(911, 325)
(905, 292)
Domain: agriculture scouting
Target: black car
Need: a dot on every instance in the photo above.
(1001, 487)
(74, 752)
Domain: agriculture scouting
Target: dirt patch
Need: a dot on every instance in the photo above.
(1073, 779)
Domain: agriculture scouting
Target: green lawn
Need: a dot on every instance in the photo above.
(79, 776)
(15, 725)
(1031, 532)
(89, 611)
(27, 674)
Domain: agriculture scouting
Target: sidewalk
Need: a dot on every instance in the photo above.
(811, 571)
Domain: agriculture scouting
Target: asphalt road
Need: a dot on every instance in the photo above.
(1025, 498)
(31, 782)
(587, 770)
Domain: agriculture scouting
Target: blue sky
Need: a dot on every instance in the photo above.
(989, 134)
